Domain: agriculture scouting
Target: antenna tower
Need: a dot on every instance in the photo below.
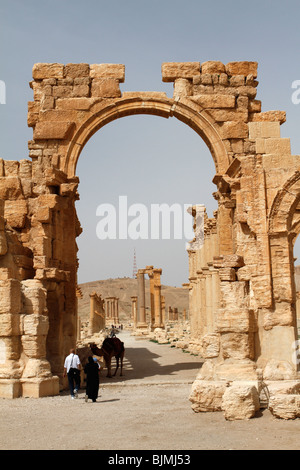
(134, 272)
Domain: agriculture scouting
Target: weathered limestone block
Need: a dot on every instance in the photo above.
(280, 146)
(10, 388)
(10, 349)
(283, 387)
(10, 324)
(105, 88)
(237, 346)
(114, 71)
(37, 387)
(227, 274)
(214, 101)
(34, 346)
(237, 321)
(81, 104)
(15, 213)
(285, 406)
(234, 296)
(11, 167)
(173, 70)
(279, 116)
(44, 70)
(11, 368)
(281, 315)
(62, 91)
(53, 130)
(234, 130)
(183, 87)
(279, 370)
(47, 102)
(237, 80)
(228, 261)
(36, 367)
(34, 297)
(207, 395)
(10, 297)
(255, 109)
(213, 66)
(10, 188)
(36, 325)
(222, 115)
(235, 369)
(242, 68)
(76, 70)
(264, 130)
(210, 345)
(81, 91)
(207, 371)
(240, 401)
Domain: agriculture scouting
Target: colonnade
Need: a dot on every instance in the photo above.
(204, 286)
(157, 301)
(112, 310)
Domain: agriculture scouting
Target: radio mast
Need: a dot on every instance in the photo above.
(134, 271)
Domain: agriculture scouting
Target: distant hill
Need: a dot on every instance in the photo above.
(124, 288)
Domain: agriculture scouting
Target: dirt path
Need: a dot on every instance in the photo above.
(148, 408)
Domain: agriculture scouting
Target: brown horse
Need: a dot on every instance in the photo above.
(111, 347)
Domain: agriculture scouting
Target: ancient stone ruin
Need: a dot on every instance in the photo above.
(242, 289)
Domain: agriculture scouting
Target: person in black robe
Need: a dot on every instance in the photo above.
(92, 379)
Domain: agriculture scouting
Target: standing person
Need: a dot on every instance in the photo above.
(92, 379)
(72, 368)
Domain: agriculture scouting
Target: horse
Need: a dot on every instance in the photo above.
(111, 347)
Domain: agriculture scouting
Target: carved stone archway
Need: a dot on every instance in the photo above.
(239, 310)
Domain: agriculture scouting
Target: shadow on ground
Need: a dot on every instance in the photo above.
(140, 363)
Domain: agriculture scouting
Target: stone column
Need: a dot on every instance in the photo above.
(163, 309)
(152, 302)
(92, 312)
(157, 298)
(141, 317)
(116, 306)
(134, 310)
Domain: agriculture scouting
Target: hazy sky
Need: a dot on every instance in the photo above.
(146, 158)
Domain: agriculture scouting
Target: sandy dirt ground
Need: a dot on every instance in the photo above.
(147, 409)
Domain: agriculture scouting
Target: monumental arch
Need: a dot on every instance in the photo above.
(242, 292)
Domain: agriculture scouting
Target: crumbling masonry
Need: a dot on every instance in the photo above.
(242, 292)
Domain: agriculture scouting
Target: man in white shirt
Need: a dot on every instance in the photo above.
(72, 368)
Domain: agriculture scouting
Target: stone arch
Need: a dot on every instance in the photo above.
(143, 103)
(247, 255)
(284, 206)
(284, 226)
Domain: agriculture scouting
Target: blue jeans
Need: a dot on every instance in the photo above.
(74, 381)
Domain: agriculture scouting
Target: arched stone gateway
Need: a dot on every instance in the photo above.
(242, 302)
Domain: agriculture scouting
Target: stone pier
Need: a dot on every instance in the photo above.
(134, 307)
(97, 319)
(141, 311)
